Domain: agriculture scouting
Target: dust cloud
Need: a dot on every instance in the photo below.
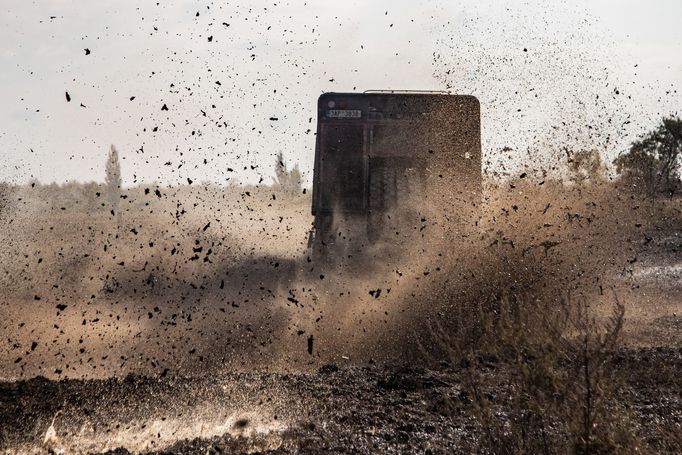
(200, 278)
(197, 311)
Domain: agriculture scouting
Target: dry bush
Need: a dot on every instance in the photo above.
(538, 380)
(5, 191)
(525, 315)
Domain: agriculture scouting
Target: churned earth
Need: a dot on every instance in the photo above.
(371, 409)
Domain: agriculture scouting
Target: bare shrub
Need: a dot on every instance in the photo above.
(5, 197)
(587, 167)
(538, 377)
(286, 181)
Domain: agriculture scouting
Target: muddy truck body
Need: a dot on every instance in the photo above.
(382, 158)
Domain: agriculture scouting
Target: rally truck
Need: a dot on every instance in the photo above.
(384, 159)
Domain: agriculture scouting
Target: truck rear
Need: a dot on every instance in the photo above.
(385, 159)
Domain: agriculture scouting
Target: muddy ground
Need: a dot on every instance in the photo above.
(188, 337)
(372, 409)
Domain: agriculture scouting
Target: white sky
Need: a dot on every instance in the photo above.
(595, 74)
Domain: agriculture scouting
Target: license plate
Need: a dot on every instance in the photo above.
(344, 113)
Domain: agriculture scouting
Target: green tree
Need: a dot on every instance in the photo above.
(652, 164)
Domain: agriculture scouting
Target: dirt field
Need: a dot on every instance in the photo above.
(371, 409)
(199, 324)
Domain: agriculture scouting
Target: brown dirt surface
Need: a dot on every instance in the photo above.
(372, 409)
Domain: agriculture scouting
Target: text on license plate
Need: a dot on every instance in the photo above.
(344, 113)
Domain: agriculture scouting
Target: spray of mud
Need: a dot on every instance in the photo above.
(210, 278)
(190, 285)
(254, 305)
(197, 280)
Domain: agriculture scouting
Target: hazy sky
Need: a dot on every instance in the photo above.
(578, 74)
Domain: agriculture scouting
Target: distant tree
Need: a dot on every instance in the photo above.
(53, 194)
(37, 190)
(90, 195)
(287, 181)
(71, 193)
(652, 164)
(587, 167)
(295, 180)
(113, 180)
(5, 191)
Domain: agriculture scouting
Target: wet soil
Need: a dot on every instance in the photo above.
(371, 409)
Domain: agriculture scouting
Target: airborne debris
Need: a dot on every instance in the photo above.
(310, 344)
